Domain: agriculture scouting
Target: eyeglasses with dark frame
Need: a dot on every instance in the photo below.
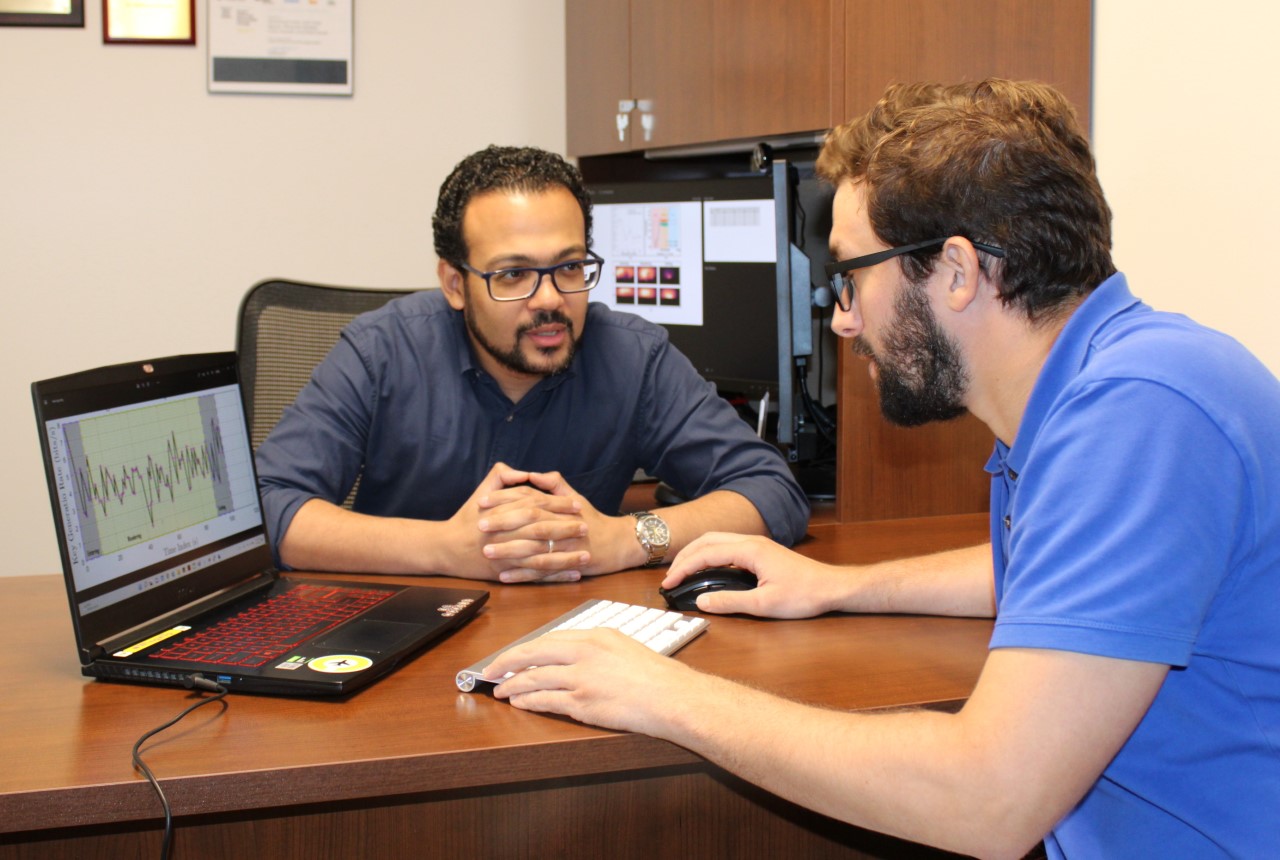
(839, 275)
(521, 282)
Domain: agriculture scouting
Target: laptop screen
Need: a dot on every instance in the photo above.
(153, 486)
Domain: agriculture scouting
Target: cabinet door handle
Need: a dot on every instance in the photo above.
(647, 119)
(625, 107)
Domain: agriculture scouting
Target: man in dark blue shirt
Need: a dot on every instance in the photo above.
(494, 425)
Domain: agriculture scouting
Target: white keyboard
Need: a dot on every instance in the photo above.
(662, 630)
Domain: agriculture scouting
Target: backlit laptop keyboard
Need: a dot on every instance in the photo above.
(268, 629)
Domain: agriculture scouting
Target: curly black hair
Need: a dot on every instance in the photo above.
(506, 168)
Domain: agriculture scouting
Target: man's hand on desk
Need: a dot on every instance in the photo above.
(515, 527)
(525, 532)
(600, 677)
(604, 544)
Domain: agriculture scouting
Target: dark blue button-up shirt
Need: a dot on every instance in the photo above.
(402, 403)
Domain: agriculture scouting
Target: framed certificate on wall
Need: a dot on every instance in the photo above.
(149, 22)
(42, 13)
(294, 48)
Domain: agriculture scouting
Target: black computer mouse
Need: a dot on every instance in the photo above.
(683, 597)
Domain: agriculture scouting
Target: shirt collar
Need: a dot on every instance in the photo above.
(1066, 358)
(462, 343)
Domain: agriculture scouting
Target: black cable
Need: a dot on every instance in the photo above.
(819, 416)
(820, 419)
(194, 681)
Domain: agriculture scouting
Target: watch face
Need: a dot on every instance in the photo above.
(655, 531)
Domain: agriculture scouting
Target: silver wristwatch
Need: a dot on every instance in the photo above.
(654, 536)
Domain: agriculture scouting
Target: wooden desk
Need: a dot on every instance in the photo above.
(411, 767)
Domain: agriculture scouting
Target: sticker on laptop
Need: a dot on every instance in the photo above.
(292, 663)
(340, 663)
(147, 643)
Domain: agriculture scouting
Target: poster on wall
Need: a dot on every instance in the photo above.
(281, 46)
(149, 22)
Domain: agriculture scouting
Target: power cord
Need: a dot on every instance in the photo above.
(825, 423)
(193, 682)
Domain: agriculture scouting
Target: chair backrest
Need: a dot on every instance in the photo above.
(285, 329)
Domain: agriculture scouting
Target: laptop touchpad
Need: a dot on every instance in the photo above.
(369, 635)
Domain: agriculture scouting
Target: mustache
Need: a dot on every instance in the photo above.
(860, 347)
(546, 318)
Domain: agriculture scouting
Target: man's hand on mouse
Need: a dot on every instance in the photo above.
(790, 585)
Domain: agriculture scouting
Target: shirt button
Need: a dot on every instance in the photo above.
(1008, 522)
(1013, 476)
(510, 418)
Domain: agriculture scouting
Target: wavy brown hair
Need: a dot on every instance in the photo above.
(1001, 162)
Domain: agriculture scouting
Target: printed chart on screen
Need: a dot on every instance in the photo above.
(653, 259)
(657, 253)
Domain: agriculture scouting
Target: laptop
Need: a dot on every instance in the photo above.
(165, 554)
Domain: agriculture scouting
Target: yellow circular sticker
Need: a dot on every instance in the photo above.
(340, 663)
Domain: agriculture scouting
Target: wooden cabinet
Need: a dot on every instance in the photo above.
(884, 471)
(699, 71)
(889, 41)
(887, 472)
(597, 74)
(703, 71)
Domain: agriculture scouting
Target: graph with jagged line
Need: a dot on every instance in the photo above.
(148, 472)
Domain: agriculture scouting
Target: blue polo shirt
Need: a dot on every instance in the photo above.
(1137, 515)
(402, 403)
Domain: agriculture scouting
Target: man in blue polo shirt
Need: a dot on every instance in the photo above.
(495, 424)
(1130, 702)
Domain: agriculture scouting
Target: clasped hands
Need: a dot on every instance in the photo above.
(534, 527)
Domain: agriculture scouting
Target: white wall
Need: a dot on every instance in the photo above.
(136, 209)
(1186, 123)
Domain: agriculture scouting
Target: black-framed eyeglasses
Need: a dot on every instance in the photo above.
(521, 282)
(840, 273)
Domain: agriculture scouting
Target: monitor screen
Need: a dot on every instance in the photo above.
(697, 256)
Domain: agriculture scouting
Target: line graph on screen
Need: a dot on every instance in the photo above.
(147, 472)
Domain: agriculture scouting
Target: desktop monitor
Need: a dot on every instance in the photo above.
(698, 257)
(725, 264)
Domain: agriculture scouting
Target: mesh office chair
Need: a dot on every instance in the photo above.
(284, 330)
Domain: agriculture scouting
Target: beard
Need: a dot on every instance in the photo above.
(919, 373)
(514, 358)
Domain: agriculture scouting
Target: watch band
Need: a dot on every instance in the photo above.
(653, 535)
